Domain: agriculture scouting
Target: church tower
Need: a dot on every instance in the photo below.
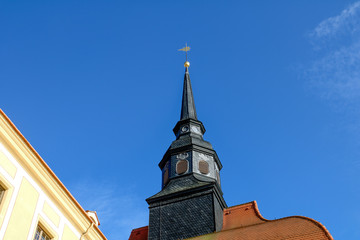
(191, 201)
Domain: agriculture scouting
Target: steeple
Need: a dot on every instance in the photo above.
(188, 124)
(188, 105)
(190, 180)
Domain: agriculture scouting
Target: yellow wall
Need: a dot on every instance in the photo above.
(29, 209)
(34, 195)
(23, 212)
(68, 234)
(6, 198)
(51, 214)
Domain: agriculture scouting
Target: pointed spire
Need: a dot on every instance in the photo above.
(188, 105)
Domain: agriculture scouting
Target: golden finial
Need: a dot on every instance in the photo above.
(185, 49)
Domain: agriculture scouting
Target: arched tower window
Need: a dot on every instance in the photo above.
(203, 167)
(182, 166)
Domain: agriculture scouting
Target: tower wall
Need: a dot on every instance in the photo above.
(185, 217)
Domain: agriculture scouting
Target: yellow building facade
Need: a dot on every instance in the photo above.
(34, 204)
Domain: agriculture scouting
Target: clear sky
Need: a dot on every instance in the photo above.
(95, 86)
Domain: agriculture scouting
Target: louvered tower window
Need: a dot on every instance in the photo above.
(41, 235)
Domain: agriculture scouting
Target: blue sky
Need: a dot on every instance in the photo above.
(95, 86)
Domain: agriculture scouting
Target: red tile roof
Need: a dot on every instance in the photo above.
(139, 233)
(244, 222)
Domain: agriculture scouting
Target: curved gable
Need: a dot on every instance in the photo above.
(244, 222)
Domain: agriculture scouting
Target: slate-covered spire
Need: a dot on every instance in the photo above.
(188, 105)
(191, 201)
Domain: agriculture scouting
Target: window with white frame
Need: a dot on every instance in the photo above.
(41, 235)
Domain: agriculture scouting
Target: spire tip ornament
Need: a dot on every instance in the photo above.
(186, 49)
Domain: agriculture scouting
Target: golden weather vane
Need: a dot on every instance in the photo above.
(185, 49)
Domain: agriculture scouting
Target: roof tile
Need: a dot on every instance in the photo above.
(139, 233)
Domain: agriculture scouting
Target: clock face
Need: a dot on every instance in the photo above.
(195, 129)
(185, 129)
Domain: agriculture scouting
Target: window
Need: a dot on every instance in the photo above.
(166, 174)
(166, 177)
(218, 177)
(181, 166)
(2, 192)
(203, 167)
(41, 235)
